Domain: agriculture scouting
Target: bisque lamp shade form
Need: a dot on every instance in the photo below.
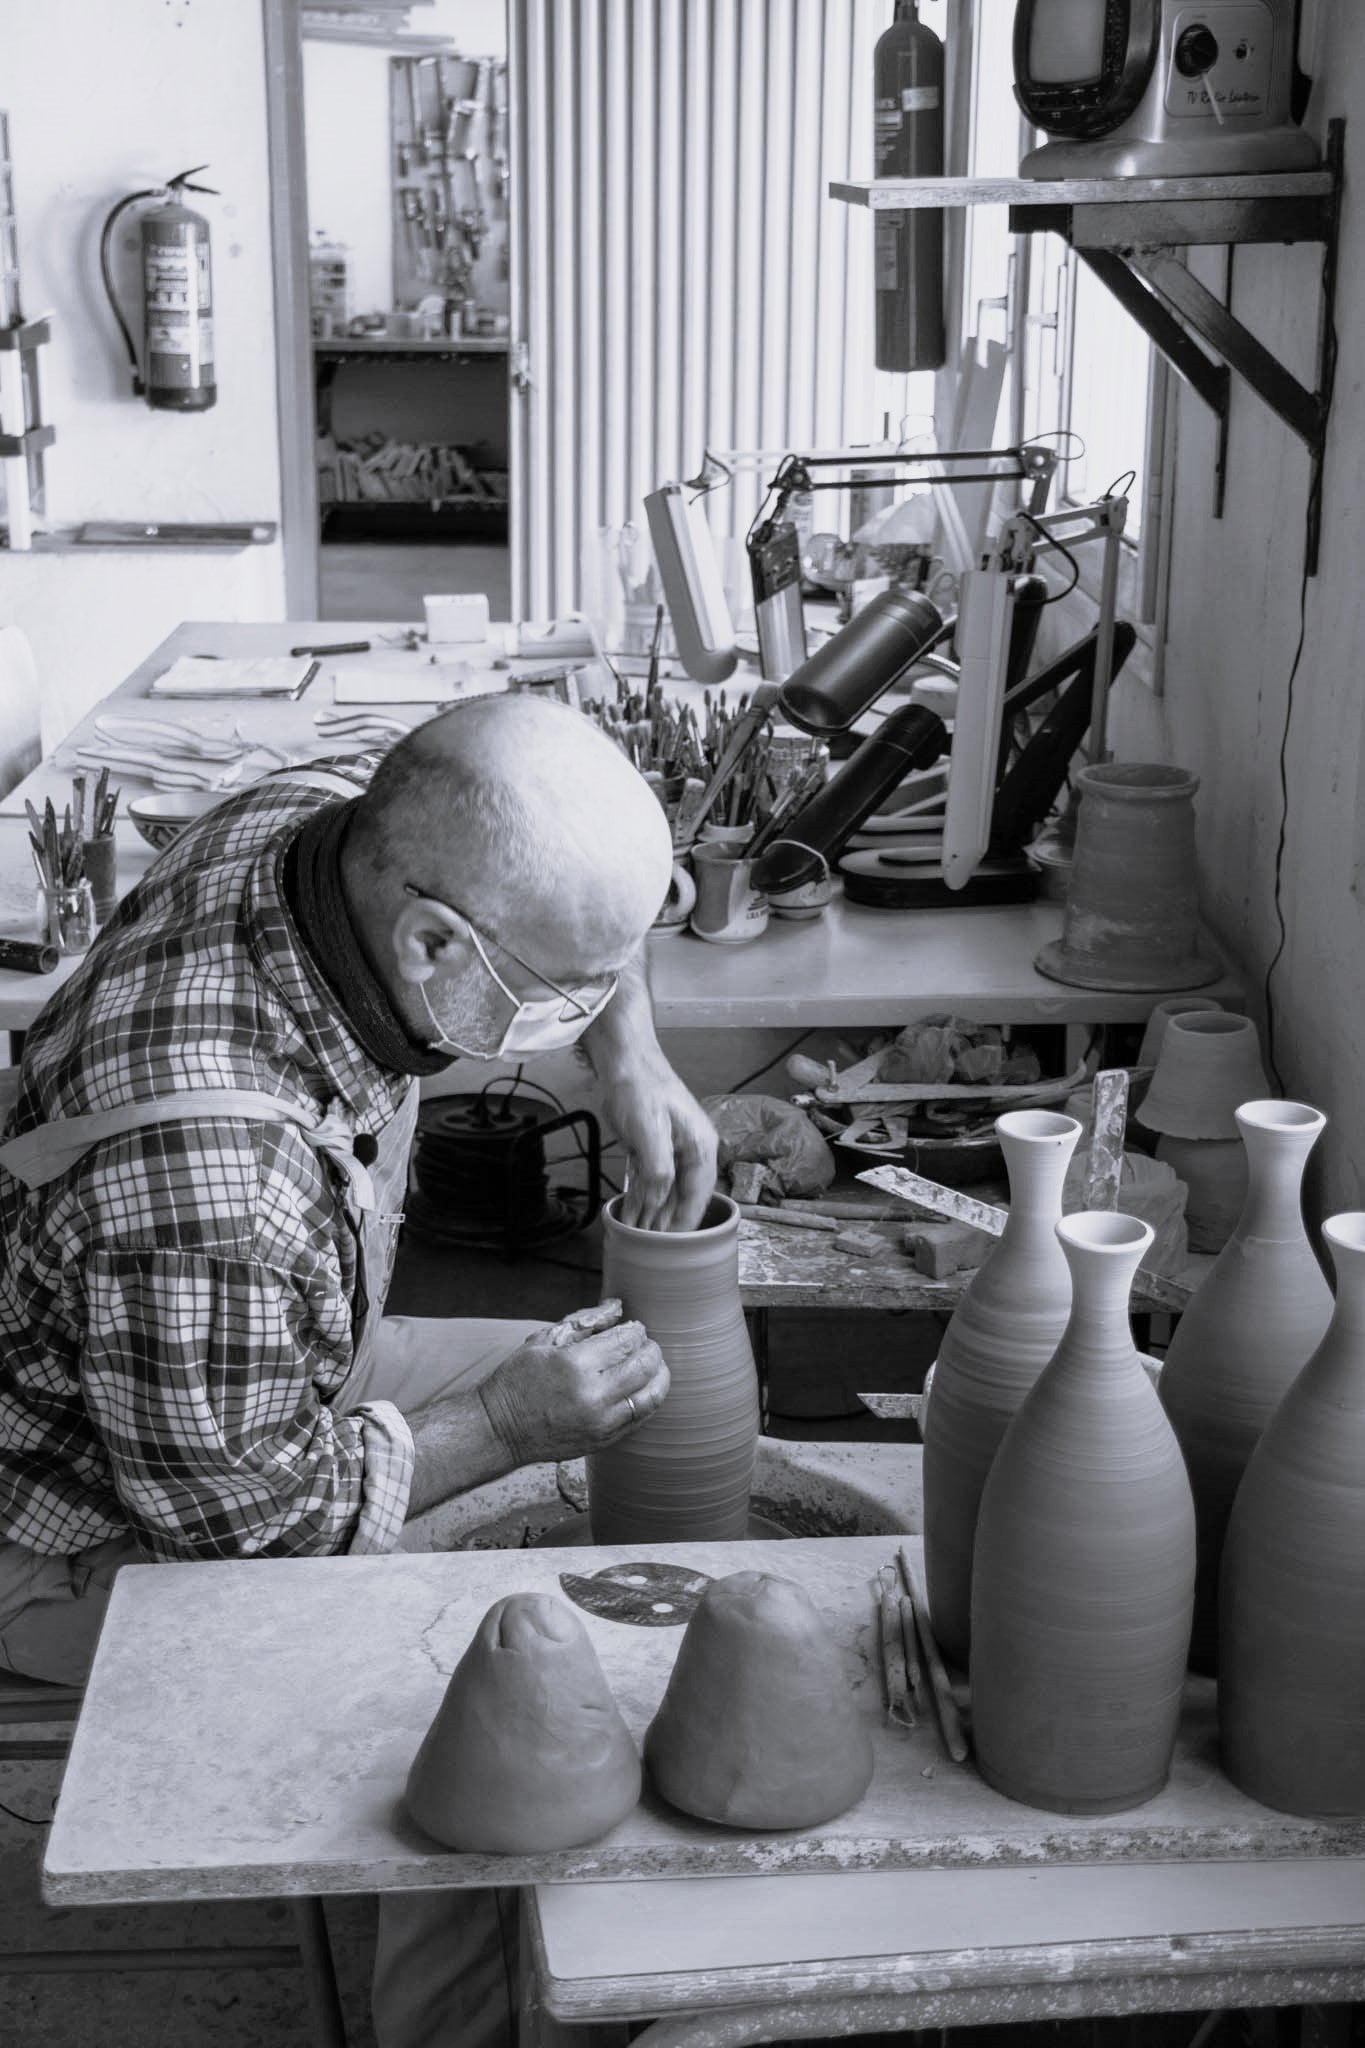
(1245, 1336)
(1083, 1580)
(1291, 1686)
(687, 1472)
(528, 1750)
(1132, 908)
(759, 1726)
(1209, 1064)
(1002, 1333)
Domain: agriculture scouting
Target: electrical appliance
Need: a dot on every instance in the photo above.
(175, 373)
(1160, 88)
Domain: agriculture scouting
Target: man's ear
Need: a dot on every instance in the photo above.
(427, 938)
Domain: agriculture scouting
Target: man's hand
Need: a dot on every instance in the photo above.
(670, 1141)
(670, 1146)
(555, 1399)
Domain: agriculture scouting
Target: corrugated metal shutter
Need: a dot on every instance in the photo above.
(680, 278)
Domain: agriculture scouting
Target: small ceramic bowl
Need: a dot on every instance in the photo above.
(162, 816)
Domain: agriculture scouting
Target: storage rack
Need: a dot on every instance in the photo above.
(1128, 230)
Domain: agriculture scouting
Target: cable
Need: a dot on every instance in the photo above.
(1062, 549)
(785, 1053)
(1312, 526)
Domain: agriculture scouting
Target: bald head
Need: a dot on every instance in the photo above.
(526, 816)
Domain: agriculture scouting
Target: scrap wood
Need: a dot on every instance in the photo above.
(1104, 1170)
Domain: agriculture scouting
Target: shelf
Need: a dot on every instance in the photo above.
(1127, 230)
(413, 519)
(382, 345)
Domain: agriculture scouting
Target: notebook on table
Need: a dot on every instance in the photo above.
(265, 675)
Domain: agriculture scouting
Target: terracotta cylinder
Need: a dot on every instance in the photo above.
(1209, 1063)
(686, 1472)
(1083, 1582)
(1245, 1336)
(1132, 908)
(1291, 1661)
(1002, 1333)
(1160, 1016)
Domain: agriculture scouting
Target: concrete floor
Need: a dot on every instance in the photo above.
(388, 579)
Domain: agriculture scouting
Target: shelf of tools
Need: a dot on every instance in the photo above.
(411, 409)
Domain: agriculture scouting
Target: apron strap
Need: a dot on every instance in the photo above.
(42, 1155)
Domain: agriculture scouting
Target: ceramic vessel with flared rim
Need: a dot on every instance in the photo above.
(1246, 1334)
(1083, 1580)
(687, 1471)
(1291, 1656)
(1160, 1016)
(1215, 1174)
(1002, 1333)
(1209, 1064)
(1132, 910)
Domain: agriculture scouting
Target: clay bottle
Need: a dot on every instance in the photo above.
(1002, 1333)
(1083, 1582)
(1291, 1657)
(687, 1472)
(1243, 1338)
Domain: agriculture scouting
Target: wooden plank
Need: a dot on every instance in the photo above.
(1104, 1169)
(893, 194)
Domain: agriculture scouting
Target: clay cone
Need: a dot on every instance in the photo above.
(1291, 1603)
(528, 1750)
(759, 1726)
(1160, 1016)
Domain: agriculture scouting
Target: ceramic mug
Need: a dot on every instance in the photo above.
(808, 898)
(678, 903)
(734, 838)
(729, 909)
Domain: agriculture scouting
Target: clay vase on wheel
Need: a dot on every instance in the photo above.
(1083, 1581)
(686, 1472)
(1291, 1631)
(1002, 1333)
(1245, 1336)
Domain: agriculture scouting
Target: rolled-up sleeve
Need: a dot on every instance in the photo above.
(206, 1376)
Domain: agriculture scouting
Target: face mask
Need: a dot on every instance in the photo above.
(534, 1027)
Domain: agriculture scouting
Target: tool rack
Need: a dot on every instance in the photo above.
(1128, 231)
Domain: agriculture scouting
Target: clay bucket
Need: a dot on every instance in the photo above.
(687, 1472)
(1132, 909)
(1209, 1064)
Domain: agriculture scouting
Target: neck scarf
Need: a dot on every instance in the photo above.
(311, 879)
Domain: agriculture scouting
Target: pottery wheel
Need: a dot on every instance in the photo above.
(577, 1530)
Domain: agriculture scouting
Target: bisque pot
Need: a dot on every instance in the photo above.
(1002, 1333)
(686, 1472)
(1245, 1336)
(1291, 1658)
(1083, 1579)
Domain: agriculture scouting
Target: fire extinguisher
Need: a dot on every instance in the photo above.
(908, 244)
(176, 373)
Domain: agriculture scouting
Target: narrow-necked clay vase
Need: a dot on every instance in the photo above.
(1244, 1337)
(687, 1472)
(528, 1750)
(1083, 1583)
(759, 1726)
(1002, 1333)
(1291, 1628)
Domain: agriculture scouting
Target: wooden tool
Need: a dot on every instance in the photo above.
(1104, 1171)
(949, 1720)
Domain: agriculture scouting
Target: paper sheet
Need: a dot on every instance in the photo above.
(419, 682)
(200, 675)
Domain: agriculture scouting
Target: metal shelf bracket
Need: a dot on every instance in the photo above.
(1130, 248)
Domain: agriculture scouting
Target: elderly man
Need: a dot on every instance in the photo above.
(201, 1184)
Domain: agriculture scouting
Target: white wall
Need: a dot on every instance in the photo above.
(346, 130)
(105, 100)
(1234, 624)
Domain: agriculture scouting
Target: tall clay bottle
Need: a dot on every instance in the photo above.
(1245, 1335)
(1291, 1636)
(688, 1471)
(1003, 1332)
(1083, 1583)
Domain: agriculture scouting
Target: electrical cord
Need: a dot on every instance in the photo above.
(1062, 550)
(1312, 525)
(768, 1065)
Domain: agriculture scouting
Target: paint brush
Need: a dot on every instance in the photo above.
(949, 1720)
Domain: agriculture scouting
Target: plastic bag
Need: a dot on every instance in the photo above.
(775, 1134)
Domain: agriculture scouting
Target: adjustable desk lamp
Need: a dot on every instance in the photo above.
(994, 629)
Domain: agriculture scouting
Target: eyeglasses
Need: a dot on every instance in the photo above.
(577, 1004)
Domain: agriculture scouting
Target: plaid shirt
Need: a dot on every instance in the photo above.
(176, 1309)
